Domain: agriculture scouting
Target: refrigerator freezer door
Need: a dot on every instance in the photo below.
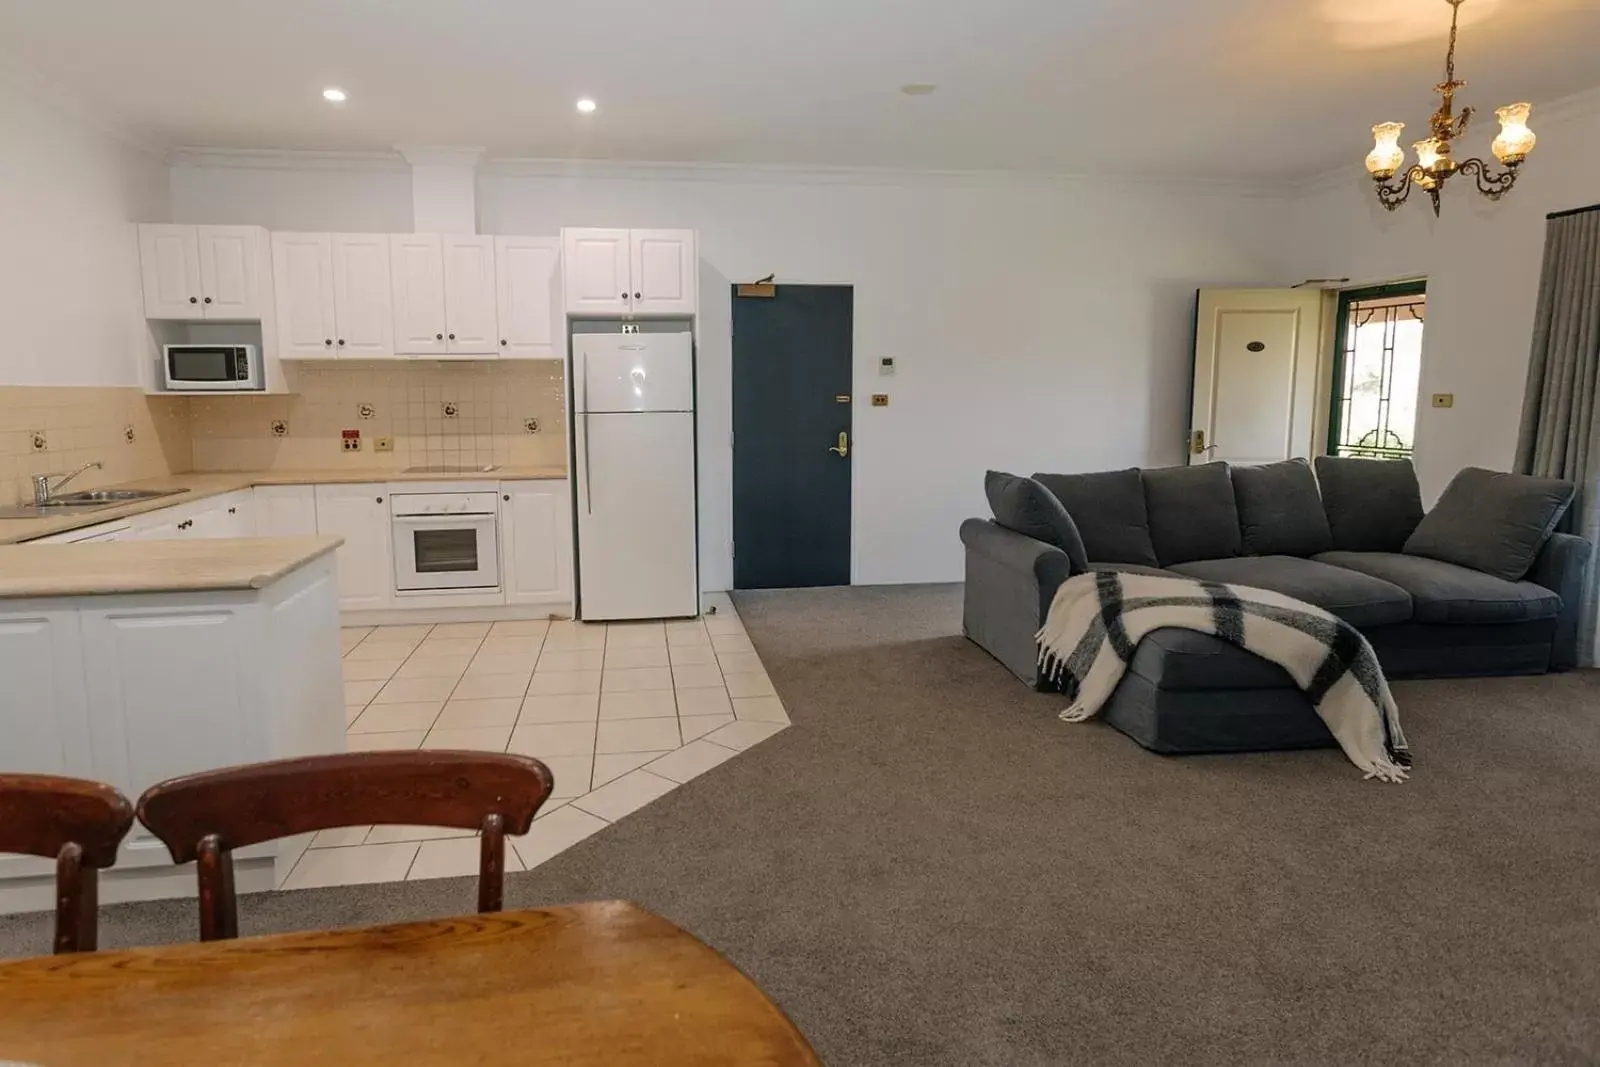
(633, 372)
(636, 516)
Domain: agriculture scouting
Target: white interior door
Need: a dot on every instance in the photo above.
(169, 260)
(471, 321)
(363, 295)
(228, 271)
(526, 274)
(1257, 359)
(595, 271)
(302, 271)
(416, 263)
(662, 263)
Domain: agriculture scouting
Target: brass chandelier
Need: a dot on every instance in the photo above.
(1435, 165)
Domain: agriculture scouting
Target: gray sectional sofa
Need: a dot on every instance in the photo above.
(1481, 585)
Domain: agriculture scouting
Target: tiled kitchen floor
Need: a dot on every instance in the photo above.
(622, 713)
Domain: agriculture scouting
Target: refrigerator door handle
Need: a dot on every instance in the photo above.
(588, 492)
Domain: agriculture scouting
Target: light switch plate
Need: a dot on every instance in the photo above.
(383, 444)
(880, 400)
(1444, 400)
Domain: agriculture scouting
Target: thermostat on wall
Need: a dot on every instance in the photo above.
(886, 365)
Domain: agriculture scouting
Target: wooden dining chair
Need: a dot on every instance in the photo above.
(204, 817)
(77, 823)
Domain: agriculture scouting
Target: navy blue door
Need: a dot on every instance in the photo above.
(791, 437)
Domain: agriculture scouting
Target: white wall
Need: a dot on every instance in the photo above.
(1036, 324)
(69, 270)
(1482, 262)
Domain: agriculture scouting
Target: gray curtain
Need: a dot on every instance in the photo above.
(1559, 437)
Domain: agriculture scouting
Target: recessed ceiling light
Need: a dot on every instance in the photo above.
(586, 105)
(918, 88)
(333, 95)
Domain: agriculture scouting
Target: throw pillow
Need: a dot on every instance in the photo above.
(1023, 505)
(1492, 522)
(1192, 513)
(1108, 507)
(1280, 510)
(1372, 505)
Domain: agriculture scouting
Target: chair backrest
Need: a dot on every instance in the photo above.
(75, 822)
(203, 817)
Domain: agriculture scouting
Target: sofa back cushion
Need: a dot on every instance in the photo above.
(1492, 522)
(1108, 508)
(1023, 505)
(1280, 510)
(1192, 513)
(1372, 505)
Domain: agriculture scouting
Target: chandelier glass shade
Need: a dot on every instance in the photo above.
(1436, 163)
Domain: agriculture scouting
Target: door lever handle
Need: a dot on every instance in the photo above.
(843, 447)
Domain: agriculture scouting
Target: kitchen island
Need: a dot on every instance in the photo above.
(131, 662)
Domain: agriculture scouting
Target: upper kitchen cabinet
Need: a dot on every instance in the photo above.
(662, 263)
(416, 261)
(444, 295)
(528, 276)
(596, 274)
(470, 315)
(333, 295)
(630, 272)
(200, 273)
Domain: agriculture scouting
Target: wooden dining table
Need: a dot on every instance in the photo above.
(602, 983)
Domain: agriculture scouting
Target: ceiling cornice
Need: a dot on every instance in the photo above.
(278, 159)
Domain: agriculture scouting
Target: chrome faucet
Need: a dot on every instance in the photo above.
(42, 489)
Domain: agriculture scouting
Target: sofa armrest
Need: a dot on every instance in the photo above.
(1562, 567)
(1011, 579)
(1046, 564)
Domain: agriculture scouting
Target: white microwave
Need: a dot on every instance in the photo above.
(211, 367)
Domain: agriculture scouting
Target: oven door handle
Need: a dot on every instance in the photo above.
(476, 518)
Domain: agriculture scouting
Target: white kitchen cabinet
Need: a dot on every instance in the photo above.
(285, 511)
(536, 542)
(416, 263)
(595, 271)
(169, 261)
(131, 689)
(334, 295)
(360, 515)
(470, 317)
(527, 274)
(302, 272)
(363, 296)
(199, 273)
(105, 531)
(662, 265)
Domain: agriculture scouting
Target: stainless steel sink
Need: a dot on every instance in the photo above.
(104, 497)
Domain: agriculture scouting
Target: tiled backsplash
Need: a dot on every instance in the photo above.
(437, 414)
(84, 424)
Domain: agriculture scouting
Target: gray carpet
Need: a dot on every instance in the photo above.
(930, 869)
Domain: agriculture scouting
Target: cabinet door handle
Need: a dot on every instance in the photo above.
(624, 296)
(208, 300)
(638, 296)
(452, 337)
(507, 498)
(502, 342)
(341, 342)
(233, 511)
(380, 499)
(194, 300)
(438, 337)
(328, 341)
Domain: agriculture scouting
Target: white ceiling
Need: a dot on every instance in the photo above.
(1220, 88)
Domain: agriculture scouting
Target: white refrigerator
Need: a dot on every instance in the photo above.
(634, 482)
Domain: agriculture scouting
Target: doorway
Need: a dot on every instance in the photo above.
(1377, 371)
(792, 444)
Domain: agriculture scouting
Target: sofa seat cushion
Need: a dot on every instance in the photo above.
(1359, 599)
(1187, 660)
(1449, 594)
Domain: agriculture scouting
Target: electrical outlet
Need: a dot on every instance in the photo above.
(880, 400)
(280, 428)
(351, 439)
(383, 444)
(1444, 400)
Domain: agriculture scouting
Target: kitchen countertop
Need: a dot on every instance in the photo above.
(111, 567)
(202, 484)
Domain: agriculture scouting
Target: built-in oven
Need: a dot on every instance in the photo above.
(211, 368)
(445, 541)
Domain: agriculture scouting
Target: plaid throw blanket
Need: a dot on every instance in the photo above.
(1097, 619)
